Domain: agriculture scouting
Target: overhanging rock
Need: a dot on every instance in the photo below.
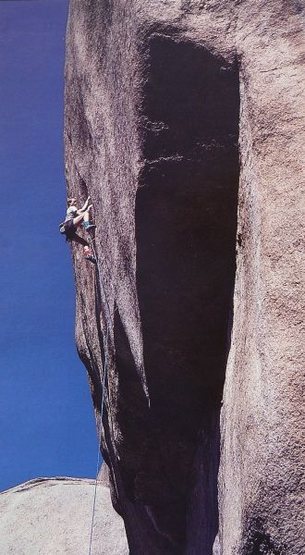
(184, 122)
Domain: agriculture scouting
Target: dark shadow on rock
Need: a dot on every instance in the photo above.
(186, 217)
(259, 541)
(132, 410)
(147, 482)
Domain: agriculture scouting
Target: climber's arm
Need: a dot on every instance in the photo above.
(85, 207)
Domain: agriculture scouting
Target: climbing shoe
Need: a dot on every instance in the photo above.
(90, 258)
(89, 254)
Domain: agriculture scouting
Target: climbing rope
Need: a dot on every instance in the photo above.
(105, 374)
(97, 462)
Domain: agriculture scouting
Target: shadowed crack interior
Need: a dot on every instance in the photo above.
(186, 217)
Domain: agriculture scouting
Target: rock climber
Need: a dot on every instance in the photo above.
(75, 217)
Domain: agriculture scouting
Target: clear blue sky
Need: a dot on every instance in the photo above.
(46, 416)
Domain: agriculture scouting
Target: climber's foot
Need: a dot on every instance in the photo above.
(88, 226)
(90, 258)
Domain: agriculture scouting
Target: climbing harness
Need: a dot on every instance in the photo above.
(104, 382)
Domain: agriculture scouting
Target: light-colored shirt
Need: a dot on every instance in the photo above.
(71, 213)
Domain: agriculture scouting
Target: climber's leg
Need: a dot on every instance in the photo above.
(87, 223)
(89, 254)
(78, 219)
(87, 214)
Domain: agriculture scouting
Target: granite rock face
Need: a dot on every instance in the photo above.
(184, 121)
(52, 516)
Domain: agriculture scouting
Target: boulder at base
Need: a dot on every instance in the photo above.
(49, 516)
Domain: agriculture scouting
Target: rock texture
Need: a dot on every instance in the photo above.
(185, 122)
(52, 516)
